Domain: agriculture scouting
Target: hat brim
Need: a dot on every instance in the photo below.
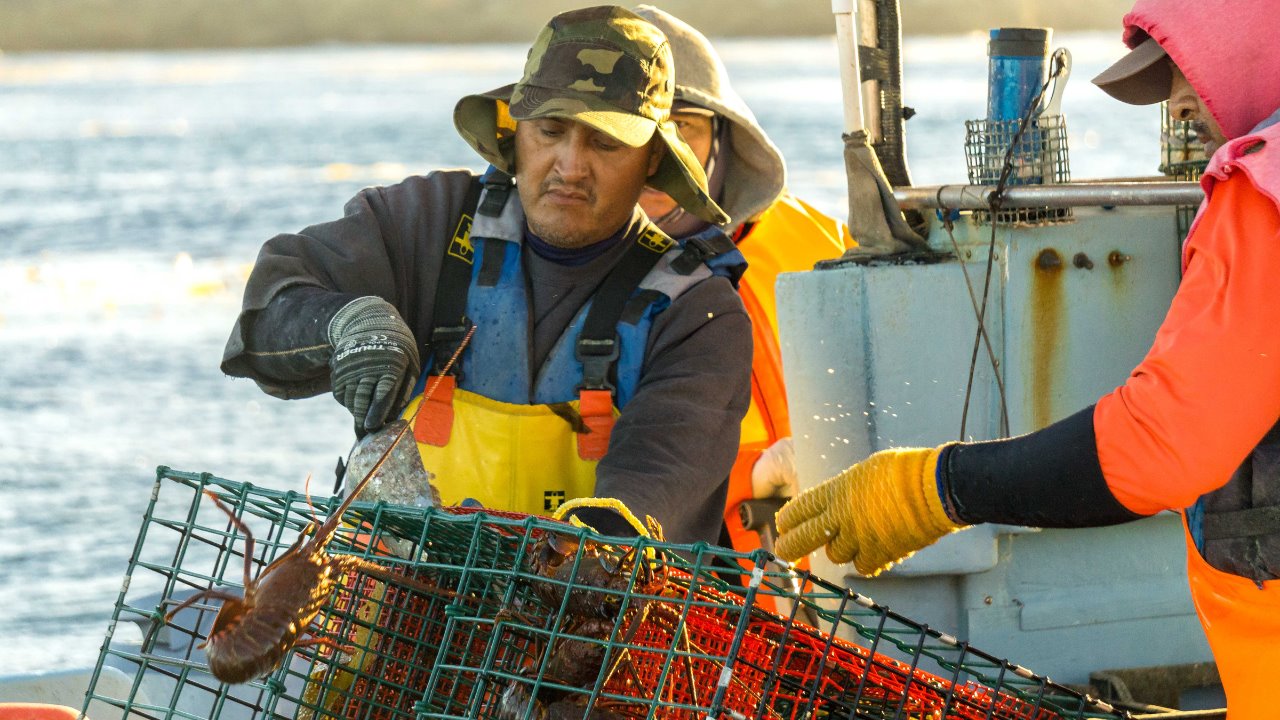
(1142, 77)
(486, 121)
(681, 176)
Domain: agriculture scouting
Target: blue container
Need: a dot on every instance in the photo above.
(1016, 71)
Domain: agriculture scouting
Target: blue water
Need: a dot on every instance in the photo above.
(136, 188)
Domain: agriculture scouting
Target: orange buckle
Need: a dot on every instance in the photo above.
(434, 421)
(596, 409)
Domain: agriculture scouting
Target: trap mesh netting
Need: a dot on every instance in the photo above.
(506, 617)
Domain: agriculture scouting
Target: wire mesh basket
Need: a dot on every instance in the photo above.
(1002, 150)
(1182, 157)
(513, 617)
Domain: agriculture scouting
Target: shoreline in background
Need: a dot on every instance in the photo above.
(53, 25)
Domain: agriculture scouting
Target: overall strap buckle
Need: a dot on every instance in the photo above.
(597, 357)
(700, 248)
(497, 186)
(444, 343)
(712, 248)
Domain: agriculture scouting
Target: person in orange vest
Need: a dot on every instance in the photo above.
(1195, 427)
(775, 231)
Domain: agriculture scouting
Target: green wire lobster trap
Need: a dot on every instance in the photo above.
(512, 617)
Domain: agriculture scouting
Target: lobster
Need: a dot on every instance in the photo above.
(596, 577)
(607, 593)
(251, 634)
(603, 568)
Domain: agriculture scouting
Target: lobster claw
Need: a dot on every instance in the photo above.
(612, 564)
(563, 546)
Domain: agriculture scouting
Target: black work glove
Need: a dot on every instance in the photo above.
(375, 360)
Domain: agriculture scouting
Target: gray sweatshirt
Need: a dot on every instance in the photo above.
(675, 441)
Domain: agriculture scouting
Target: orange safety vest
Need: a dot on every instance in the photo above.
(790, 236)
(1208, 389)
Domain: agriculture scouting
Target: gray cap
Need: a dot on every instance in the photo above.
(1142, 77)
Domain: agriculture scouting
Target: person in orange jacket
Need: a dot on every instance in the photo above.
(1195, 427)
(775, 231)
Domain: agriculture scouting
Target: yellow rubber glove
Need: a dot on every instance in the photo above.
(874, 514)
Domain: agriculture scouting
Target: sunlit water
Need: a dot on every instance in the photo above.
(136, 188)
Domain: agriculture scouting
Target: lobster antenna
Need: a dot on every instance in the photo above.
(355, 491)
(306, 492)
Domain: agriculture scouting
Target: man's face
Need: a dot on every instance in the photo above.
(695, 128)
(578, 185)
(1185, 105)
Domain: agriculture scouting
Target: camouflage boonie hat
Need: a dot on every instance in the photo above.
(606, 68)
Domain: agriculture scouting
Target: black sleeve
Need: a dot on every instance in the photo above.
(675, 442)
(1049, 478)
(389, 243)
(290, 337)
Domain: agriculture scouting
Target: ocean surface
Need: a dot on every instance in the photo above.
(136, 189)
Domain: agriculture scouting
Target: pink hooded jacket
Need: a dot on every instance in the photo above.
(1145, 430)
(1227, 49)
(1209, 389)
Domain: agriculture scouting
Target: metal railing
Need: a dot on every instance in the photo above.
(1075, 194)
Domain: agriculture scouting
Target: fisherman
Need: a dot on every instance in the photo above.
(1194, 428)
(775, 231)
(605, 361)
